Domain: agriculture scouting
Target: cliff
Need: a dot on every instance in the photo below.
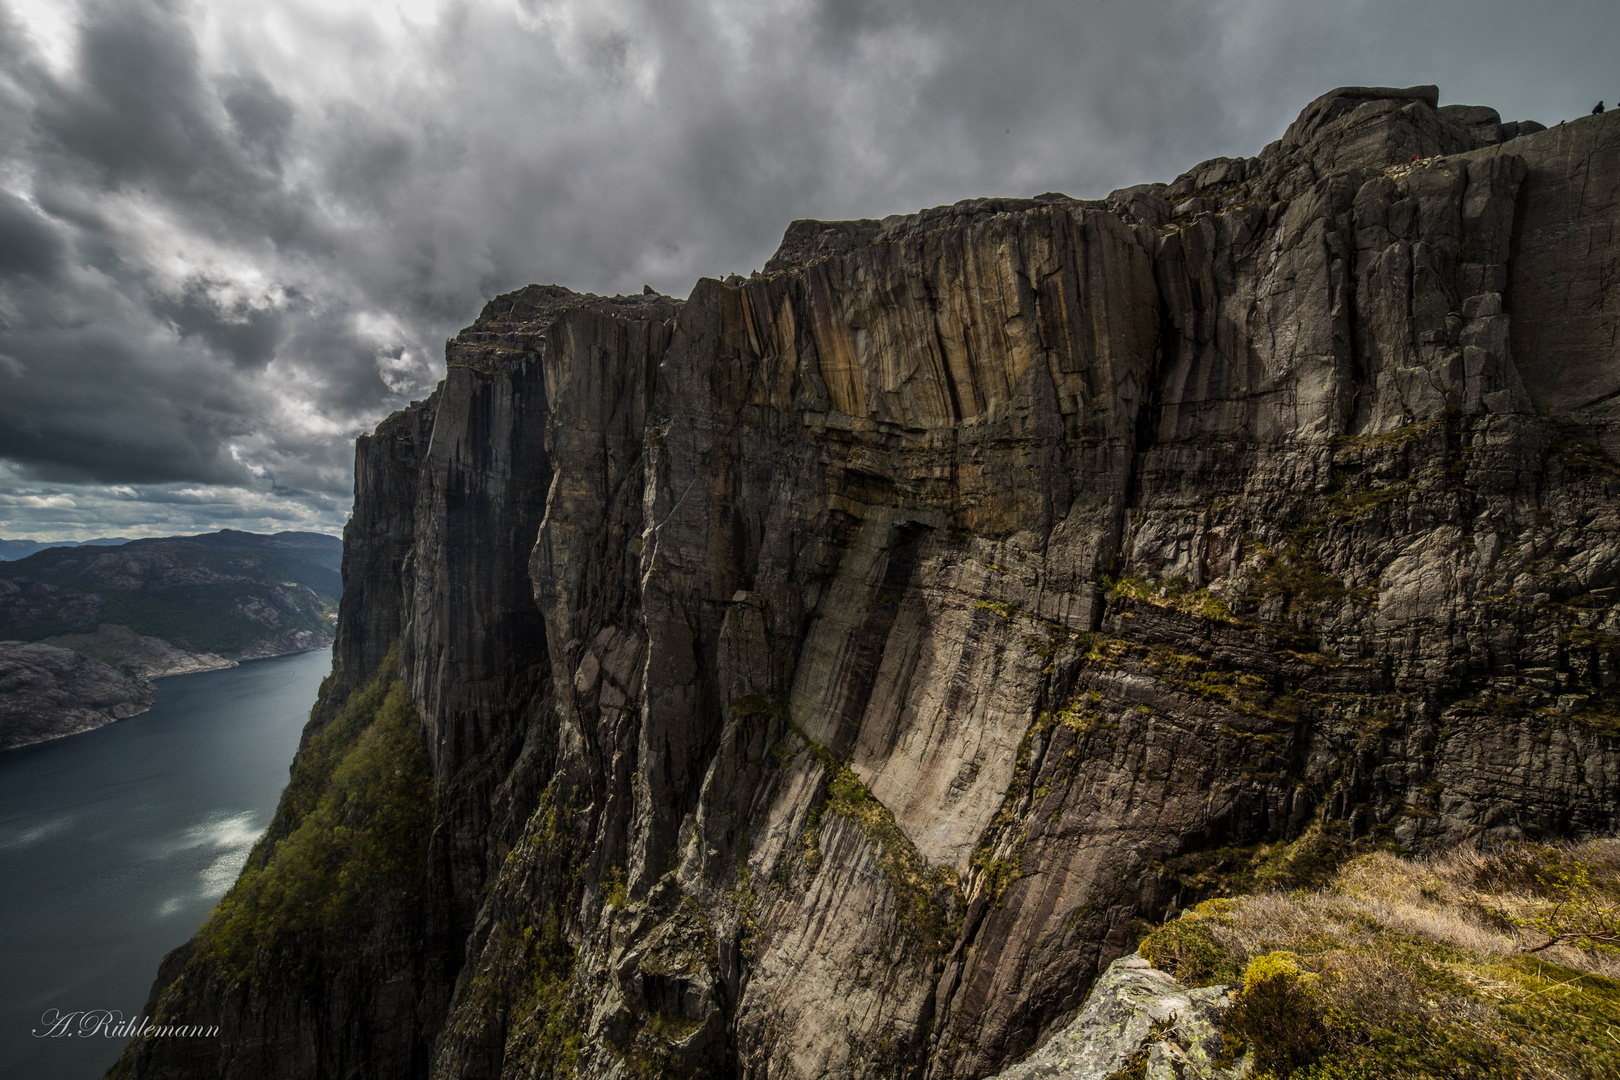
(833, 673)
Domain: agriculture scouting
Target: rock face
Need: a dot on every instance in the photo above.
(46, 693)
(1135, 1010)
(825, 676)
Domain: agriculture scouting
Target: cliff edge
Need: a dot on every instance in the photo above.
(832, 674)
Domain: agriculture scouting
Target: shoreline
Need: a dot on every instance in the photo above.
(150, 679)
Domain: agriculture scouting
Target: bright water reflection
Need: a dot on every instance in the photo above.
(115, 844)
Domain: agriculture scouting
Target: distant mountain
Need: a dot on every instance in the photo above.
(171, 604)
(20, 549)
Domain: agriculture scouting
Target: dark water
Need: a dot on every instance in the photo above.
(115, 844)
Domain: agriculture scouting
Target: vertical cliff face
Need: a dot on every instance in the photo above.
(825, 676)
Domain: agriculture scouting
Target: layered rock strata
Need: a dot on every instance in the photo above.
(829, 674)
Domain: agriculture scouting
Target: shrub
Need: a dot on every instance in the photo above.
(614, 894)
(1279, 1015)
(1186, 947)
(1573, 909)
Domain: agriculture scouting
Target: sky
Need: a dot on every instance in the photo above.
(234, 234)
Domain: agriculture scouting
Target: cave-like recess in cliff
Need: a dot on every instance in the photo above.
(829, 674)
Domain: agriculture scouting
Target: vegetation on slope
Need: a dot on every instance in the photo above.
(928, 899)
(343, 861)
(1496, 963)
(353, 829)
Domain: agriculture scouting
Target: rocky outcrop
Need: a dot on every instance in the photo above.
(146, 657)
(830, 675)
(46, 693)
(1137, 1014)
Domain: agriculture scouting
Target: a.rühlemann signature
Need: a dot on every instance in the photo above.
(111, 1024)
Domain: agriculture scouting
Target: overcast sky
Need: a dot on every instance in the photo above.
(235, 234)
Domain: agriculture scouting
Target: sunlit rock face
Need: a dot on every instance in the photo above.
(824, 676)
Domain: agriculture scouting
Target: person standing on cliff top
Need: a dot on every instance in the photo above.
(1598, 108)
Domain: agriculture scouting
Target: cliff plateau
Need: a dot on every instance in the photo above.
(833, 673)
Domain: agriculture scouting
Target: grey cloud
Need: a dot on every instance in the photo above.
(238, 332)
(255, 247)
(75, 417)
(29, 244)
(134, 111)
(262, 118)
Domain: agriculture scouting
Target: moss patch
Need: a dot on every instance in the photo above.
(928, 899)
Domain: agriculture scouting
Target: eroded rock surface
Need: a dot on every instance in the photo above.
(826, 674)
(1138, 1014)
(47, 692)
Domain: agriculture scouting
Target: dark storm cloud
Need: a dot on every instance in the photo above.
(134, 111)
(29, 244)
(262, 118)
(237, 332)
(233, 235)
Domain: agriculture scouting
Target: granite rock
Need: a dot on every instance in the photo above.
(1137, 1012)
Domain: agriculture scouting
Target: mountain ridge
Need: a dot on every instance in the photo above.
(11, 550)
(215, 597)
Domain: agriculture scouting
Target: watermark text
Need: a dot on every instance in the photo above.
(111, 1024)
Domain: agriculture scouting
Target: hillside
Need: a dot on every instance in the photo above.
(21, 549)
(831, 675)
(1501, 962)
(47, 692)
(228, 595)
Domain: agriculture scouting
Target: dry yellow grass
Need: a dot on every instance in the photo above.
(1435, 967)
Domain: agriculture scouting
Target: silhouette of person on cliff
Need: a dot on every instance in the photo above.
(1598, 108)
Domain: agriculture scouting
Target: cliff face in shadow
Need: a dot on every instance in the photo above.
(827, 675)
